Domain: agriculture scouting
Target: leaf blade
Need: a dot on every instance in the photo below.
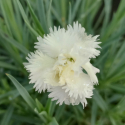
(23, 92)
(7, 116)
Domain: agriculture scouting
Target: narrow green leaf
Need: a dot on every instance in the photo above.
(114, 98)
(9, 12)
(118, 88)
(42, 15)
(63, 11)
(53, 105)
(97, 23)
(83, 15)
(18, 16)
(3, 57)
(43, 115)
(99, 100)
(16, 44)
(107, 9)
(23, 92)
(2, 112)
(113, 121)
(27, 119)
(120, 107)
(14, 93)
(13, 54)
(39, 105)
(70, 16)
(57, 15)
(58, 114)
(49, 18)
(82, 8)
(8, 66)
(101, 59)
(113, 71)
(53, 122)
(93, 113)
(57, 6)
(36, 21)
(48, 106)
(7, 117)
(75, 9)
(118, 16)
(68, 120)
(5, 17)
(5, 84)
(26, 19)
(120, 52)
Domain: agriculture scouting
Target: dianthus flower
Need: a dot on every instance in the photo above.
(61, 64)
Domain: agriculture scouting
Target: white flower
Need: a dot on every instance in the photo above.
(58, 63)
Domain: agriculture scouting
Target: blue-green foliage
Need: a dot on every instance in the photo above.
(21, 22)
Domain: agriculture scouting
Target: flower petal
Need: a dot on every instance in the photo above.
(73, 93)
(91, 72)
(37, 65)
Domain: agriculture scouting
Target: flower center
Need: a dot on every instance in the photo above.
(71, 59)
(63, 71)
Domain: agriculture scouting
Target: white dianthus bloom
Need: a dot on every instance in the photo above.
(61, 64)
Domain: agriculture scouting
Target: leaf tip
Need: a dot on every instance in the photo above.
(6, 74)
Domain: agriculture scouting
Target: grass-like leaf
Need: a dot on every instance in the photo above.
(70, 14)
(42, 15)
(7, 116)
(26, 19)
(99, 100)
(23, 92)
(16, 44)
(36, 21)
(75, 9)
(49, 18)
(15, 93)
(94, 113)
(53, 122)
(8, 66)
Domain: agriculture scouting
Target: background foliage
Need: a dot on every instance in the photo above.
(21, 22)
